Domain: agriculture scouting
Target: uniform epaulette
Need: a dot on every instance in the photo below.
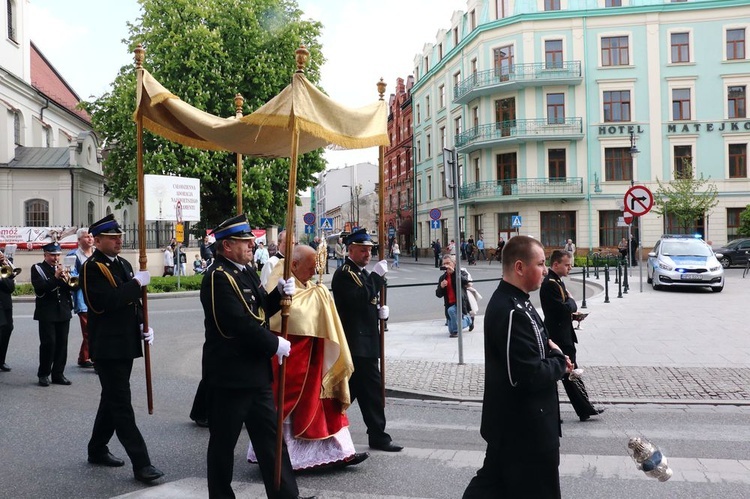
(355, 277)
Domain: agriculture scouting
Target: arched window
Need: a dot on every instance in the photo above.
(109, 210)
(91, 213)
(37, 213)
(125, 218)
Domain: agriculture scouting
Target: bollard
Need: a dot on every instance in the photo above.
(583, 273)
(606, 284)
(588, 267)
(619, 281)
(596, 268)
(625, 286)
(617, 273)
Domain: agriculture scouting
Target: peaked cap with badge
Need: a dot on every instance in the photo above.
(107, 226)
(233, 228)
(359, 237)
(52, 248)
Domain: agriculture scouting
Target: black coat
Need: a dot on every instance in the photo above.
(522, 414)
(356, 293)
(114, 308)
(557, 306)
(7, 286)
(54, 302)
(441, 292)
(239, 346)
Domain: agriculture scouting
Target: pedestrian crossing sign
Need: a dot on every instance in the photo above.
(516, 221)
(326, 223)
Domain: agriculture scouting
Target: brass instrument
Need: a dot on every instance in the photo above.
(7, 270)
(67, 267)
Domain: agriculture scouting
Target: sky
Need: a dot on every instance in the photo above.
(363, 41)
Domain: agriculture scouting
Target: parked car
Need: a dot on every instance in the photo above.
(684, 261)
(734, 253)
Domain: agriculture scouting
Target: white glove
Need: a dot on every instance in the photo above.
(284, 348)
(381, 267)
(143, 277)
(286, 287)
(148, 336)
(383, 312)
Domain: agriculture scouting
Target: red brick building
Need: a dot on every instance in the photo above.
(399, 168)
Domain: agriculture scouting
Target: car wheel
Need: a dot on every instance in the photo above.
(725, 262)
(717, 289)
(654, 285)
(648, 279)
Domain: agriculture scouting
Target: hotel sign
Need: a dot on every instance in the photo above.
(678, 128)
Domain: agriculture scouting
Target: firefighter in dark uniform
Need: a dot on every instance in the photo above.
(112, 292)
(7, 285)
(237, 361)
(355, 291)
(54, 308)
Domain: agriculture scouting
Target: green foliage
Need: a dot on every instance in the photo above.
(23, 289)
(157, 285)
(687, 197)
(205, 51)
(744, 229)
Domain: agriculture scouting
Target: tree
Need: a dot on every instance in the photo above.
(205, 51)
(687, 198)
(744, 228)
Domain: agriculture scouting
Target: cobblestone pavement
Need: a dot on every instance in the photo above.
(644, 384)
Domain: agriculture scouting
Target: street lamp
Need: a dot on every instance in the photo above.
(633, 149)
(352, 191)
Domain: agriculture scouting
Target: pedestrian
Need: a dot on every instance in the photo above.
(54, 308)
(84, 251)
(396, 253)
(261, 256)
(355, 291)
(168, 262)
(112, 292)
(183, 260)
(316, 388)
(499, 250)
(463, 249)
(198, 264)
(339, 252)
(452, 247)
(633, 250)
(205, 249)
(273, 260)
(446, 289)
(570, 248)
(480, 249)
(237, 357)
(315, 243)
(622, 247)
(558, 305)
(520, 409)
(436, 249)
(7, 286)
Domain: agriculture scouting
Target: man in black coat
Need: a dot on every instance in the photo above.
(7, 285)
(355, 291)
(112, 292)
(558, 304)
(54, 308)
(520, 411)
(237, 357)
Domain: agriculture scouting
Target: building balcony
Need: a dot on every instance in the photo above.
(515, 77)
(520, 189)
(515, 131)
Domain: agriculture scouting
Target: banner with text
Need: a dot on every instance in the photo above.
(164, 191)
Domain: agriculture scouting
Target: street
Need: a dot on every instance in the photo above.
(44, 431)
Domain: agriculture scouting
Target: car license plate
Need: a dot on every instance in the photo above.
(691, 277)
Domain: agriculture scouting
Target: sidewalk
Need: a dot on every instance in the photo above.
(682, 346)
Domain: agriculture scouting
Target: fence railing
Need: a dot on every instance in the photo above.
(158, 234)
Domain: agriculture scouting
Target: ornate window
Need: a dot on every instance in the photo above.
(37, 213)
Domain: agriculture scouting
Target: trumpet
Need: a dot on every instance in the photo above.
(7, 270)
(67, 267)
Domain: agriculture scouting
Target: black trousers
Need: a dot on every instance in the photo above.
(365, 387)
(5, 331)
(115, 414)
(53, 347)
(199, 411)
(576, 390)
(515, 475)
(229, 408)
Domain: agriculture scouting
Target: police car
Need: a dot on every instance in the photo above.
(684, 261)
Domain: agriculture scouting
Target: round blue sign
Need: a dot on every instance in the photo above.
(435, 214)
(309, 218)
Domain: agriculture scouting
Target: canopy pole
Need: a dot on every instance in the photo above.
(286, 302)
(239, 101)
(381, 244)
(140, 54)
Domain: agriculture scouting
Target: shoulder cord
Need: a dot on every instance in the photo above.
(261, 317)
(107, 274)
(44, 276)
(507, 347)
(355, 277)
(562, 293)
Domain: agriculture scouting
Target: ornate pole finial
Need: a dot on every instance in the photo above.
(140, 55)
(381, 88)
(302, 54)
(239, 101)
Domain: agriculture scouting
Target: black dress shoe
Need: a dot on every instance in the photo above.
(107, 460)
(387, 447)
(203, 423)
(43, 380)
(357, 458)
(87, 364)
(4, 367)
(60, 380)
(588, 416)
(147, 474)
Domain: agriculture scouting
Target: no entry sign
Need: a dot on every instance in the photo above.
(638, 200)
